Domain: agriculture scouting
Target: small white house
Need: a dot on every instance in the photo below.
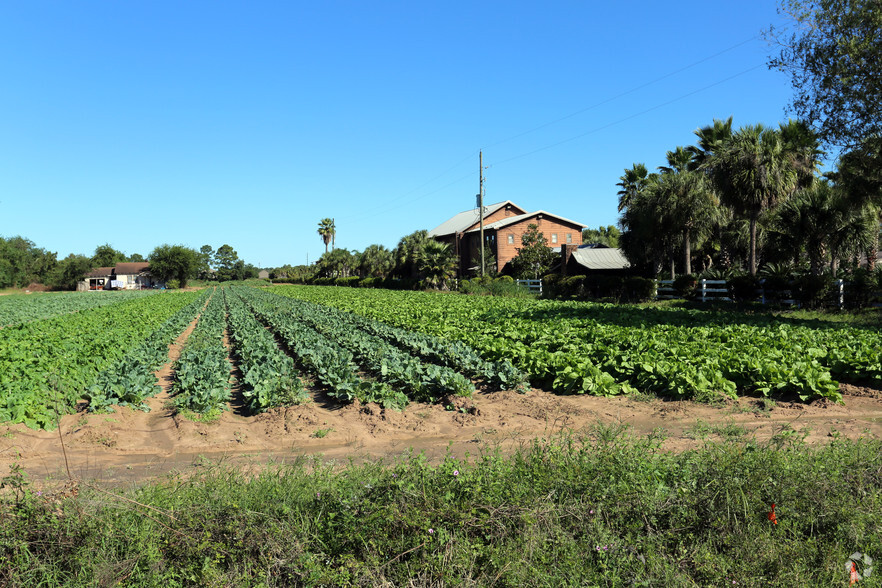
(125, 276)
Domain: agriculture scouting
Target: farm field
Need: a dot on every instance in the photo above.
(21, 308)
(282, 375)
(578, 347)
(243, 437)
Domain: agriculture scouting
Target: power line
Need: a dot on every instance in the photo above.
(627, 92)
(641, 113)
(389, 205)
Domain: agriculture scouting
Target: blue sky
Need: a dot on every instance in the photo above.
(140, 123)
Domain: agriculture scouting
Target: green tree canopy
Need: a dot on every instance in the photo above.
(832, 52)
(535, 258)
(375, 261)
(608, 235)
(69, 271)
(226, 261)
(338, 263)
(106, 256)
(22, 262)
(174, 262)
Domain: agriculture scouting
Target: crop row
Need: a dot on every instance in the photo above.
(337, 346)
(132, 379)
(332, 366)
(606, 349)
(269, 376)
(46, 366)
(202, 372)
(21, 308)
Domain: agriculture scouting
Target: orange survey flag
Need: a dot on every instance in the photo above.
(772, 516)
(854, 574)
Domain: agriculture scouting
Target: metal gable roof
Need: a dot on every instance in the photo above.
(516, 219)
(464, 220)
(601, 259)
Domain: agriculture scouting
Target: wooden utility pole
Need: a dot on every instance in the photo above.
(481, 203)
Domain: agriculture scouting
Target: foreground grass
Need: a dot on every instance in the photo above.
(601, 508)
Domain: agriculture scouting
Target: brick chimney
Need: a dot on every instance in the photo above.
(566, 252)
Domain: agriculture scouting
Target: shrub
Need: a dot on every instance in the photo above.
(860, 290)
(572, 286)
(173, 284)
(811, 291)
(637, 289)
(776, 288)
(685, 285)
(551, 286)
(744, 288)
(601, 286)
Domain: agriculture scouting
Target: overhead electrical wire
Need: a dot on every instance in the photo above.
(385, 207)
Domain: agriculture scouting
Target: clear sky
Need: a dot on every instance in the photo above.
(138, 123)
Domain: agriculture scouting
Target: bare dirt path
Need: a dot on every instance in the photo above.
(129, 445)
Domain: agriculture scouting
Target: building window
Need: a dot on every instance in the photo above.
(569, 237)
(511, 238)
(554, 237)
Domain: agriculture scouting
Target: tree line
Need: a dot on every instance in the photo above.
(23, 263)
(751, 197)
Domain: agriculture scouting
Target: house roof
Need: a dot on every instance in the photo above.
(601, 259)
(132, 268)
(500, 224)
(464, 220)
(100, 272)
(122, 269)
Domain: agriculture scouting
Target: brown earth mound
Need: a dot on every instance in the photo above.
(131, 445)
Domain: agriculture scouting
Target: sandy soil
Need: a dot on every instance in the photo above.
(130, 445)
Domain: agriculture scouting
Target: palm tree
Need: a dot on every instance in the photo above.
(710, 140)
(679, 160)
(327, 230)
(375, 261)
(808, 221)
(690, 208)
(408, 251)
(648, 236)
(803, 147)
(859, 175)
(753, 173)
(436, 264)
(632, 183)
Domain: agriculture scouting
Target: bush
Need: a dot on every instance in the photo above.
(572, 287)
(744, 288)
(603, 287)
(350, 282)
(860, 289)
(637, 289)
(811, 291)
(685, 285)
(173, 284)
(551, 286)
(776, 288)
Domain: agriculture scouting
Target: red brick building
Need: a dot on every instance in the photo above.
(504, 225)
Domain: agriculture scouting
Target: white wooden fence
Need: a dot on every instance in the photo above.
(718, 290)
(531, 285)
